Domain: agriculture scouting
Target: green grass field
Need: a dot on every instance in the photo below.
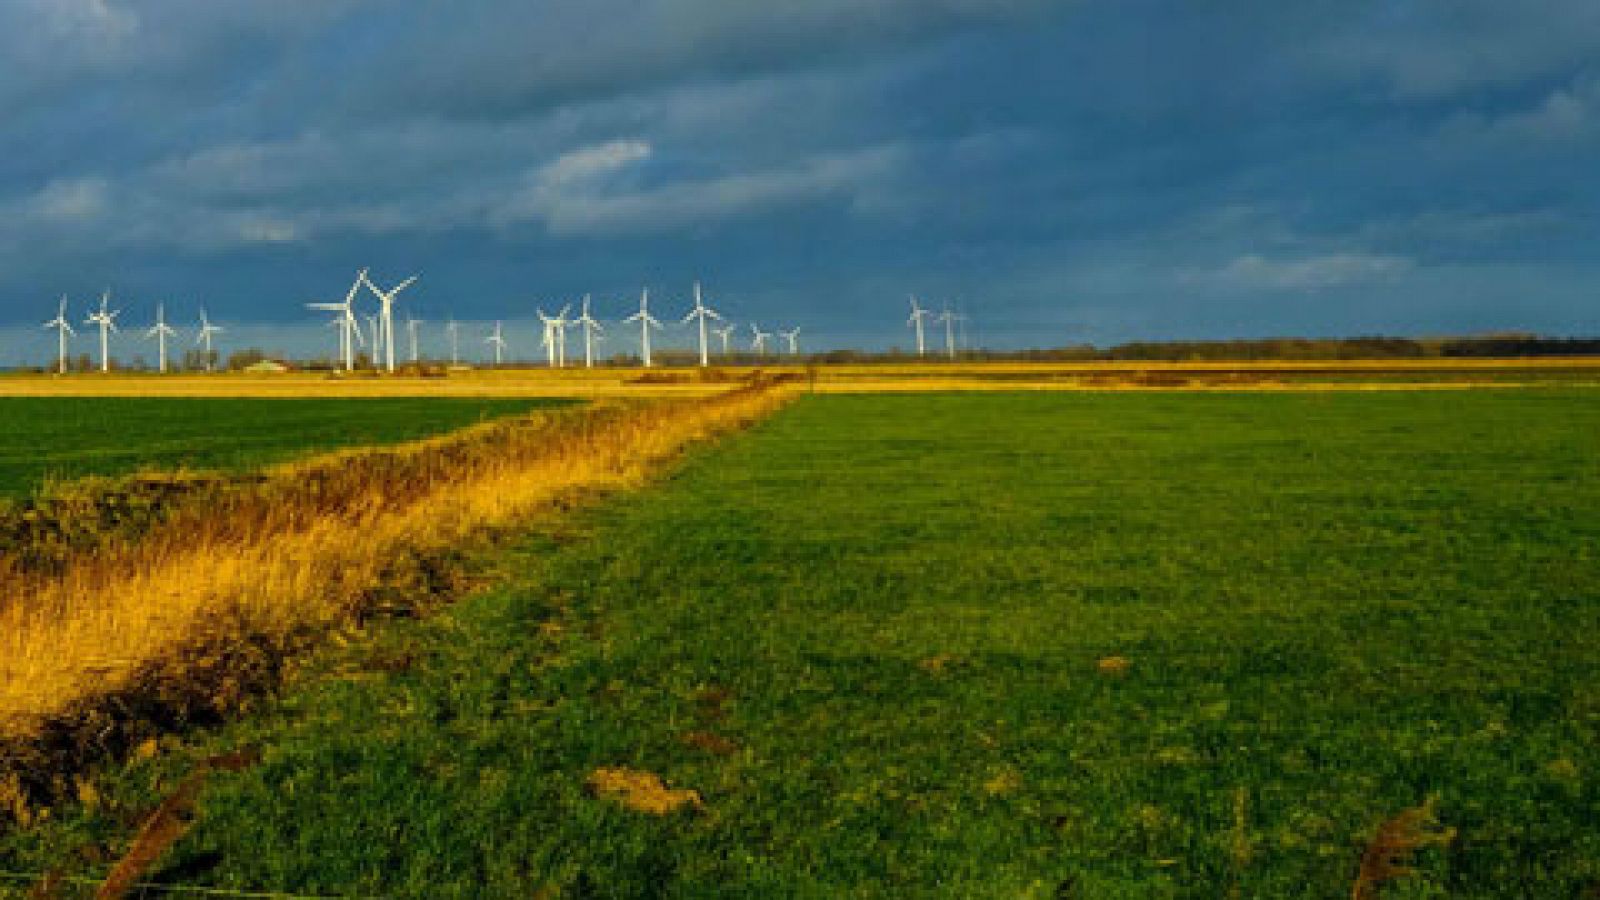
(65, 438)
(868, 633)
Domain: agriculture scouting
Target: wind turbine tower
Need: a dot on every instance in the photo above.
(386, 298)
(498, 342)
(554, 329)
(646, 322)
(758, 340)
(455, 341)
(411, 330)
(562, 323)
(59, 323)
(106, 319)
(725, 332)
(793, 337)
(918, 317)
(702, 312)
(949, 319)
(590, 325)
(161, 331)
(204, 337)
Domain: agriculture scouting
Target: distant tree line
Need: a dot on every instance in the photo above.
(1264, 349)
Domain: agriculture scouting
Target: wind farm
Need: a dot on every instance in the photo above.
(701, 449)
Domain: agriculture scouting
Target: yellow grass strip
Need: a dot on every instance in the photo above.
(583, 384)
(271, 565)
(856, 377)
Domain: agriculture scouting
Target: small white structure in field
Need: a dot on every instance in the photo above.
(161, 331)
(758, 340)
(646, 322)
(702, 313)
(204, 336)
(725, 332)
(793, 337)
(454, 331)
(498, 341)
(383, 342)
(590, 326)
(106, 319)
(59, 323)
(918, 317)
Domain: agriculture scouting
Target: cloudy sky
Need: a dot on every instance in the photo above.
(1064, 170)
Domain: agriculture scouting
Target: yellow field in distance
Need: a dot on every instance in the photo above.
(1398, 374)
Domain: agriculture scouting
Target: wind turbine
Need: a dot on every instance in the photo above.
(702, 312)
(918, 316)
(411, 329)
(161, 331)
(562, 324)
(349, 328)
(59, 323)
(724, 332)
(793, 337)
(455, 341)
(646, 322)
(342, 323)
(498, 342)
(376, 325)
(204, 336)
(555, 336)
(386, 298)
(590, 326)
(948, 319)
(758, 340)
(107, 322)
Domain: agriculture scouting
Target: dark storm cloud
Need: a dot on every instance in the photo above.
(1121, 170)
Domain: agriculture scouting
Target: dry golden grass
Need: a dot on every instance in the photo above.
(641, 791)
(235, 573)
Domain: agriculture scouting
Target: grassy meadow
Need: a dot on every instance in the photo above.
(69, 437)
(1054, 645)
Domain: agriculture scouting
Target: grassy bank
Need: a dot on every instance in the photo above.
(1065, 645)
(181, 618)
(63, 438)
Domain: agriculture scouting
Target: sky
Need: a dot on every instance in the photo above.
(1060, 171)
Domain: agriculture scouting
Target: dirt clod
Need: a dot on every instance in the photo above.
(715, 744)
